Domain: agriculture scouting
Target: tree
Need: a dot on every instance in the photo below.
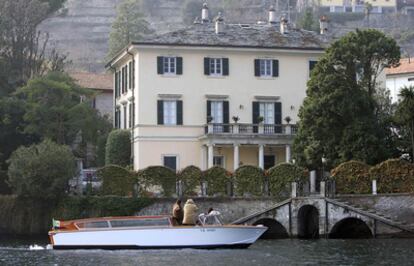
(128, 26)
(307, 21)
(41, 171)
(118, 148)
(58, 109)
(405, 118)
(340, 117)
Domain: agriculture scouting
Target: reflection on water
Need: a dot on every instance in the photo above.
(264, 252)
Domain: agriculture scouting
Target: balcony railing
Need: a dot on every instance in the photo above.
(251, 129)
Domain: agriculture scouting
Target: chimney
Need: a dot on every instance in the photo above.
(284, 25)
(323, 23)
(272, 15)
(204, 14)
(219, 24)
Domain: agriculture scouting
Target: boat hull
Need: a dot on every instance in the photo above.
(159, 238)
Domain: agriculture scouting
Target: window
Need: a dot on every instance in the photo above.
(170, 112)
(170, 162)
(267, 111)
(410, 79)
(265, 68)
(216, 66)
(170, 65)
(218, 161)
(217, 112)
(125, 117)
(140, 222)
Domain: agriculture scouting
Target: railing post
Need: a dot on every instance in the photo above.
(312, 181)
(210, 128)
(236, 129)
(288, 130)
(204, 188)
(323, 189)
(374, 187)
(294, 193)
(179, 188)
(261, 128)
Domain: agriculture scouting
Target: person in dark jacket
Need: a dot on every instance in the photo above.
(178, 213)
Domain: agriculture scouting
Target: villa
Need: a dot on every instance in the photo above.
(215, 93)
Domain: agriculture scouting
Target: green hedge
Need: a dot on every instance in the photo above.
(393, 176)
(191, 179)
(158, 176)
(217, 179)
(282, 175)
(352, 178)
(116, 181)
(118, 148)
(248, 180)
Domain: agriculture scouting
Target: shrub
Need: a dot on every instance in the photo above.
(282, 175)
(393, 176)
(248, 180)
(217, 179)
(118, 148)
(158, 176)
(116, 181)
(352, 177)
(191, 178)
(41, 171)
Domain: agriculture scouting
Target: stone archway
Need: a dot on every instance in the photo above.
(350, 228)
(275, 229)
(308, 222)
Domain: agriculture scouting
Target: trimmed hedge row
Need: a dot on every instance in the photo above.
(116, 181)
(393, 176)
(352, 178)
(282, 175)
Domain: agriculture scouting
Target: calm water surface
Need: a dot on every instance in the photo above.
(264, 252)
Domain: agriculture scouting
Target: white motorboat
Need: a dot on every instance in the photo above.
(150, 232)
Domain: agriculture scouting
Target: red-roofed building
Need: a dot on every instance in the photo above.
(101, 83)
(400, 76)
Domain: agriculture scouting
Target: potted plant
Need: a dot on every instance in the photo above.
(288, 119)
(235, 119)
(260, 119)
(209, 119)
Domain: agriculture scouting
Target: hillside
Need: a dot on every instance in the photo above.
(82, 28)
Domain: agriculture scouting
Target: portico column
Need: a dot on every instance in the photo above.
(261, 156)
(236, 156)
(288, 154)
(210, 155)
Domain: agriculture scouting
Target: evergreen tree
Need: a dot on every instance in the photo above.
(341, 117)
(405, 119)
(129, 26)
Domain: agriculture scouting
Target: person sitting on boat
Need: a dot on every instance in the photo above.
(190, 212)
(178, 213)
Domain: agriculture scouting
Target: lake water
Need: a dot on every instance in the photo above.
(264, 252)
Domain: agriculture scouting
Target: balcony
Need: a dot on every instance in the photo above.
(250, 129)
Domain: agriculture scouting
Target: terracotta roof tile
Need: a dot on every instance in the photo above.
(406, 66)
(93, 81)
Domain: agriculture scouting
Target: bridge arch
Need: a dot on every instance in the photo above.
(275, 229)
(351, 227)
(308, 222)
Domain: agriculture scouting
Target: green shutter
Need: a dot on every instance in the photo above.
(207, 66)
(225, 66)
(257, 67)
(275, 68)
(179, 66)
(160, 112)
(160, 65)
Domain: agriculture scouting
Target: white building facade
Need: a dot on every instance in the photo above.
(399, 77)
(214, 94)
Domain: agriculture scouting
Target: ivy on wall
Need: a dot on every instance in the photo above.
(158, 176)
(393, 176)
(191, 179)
(352, 178)
(116, 181)
(282, 175)
(217, 179)
(248, 180)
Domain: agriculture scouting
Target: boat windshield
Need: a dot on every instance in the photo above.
(213, 218)
(96, 224)
(141, 222)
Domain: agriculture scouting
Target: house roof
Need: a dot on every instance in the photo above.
(93, 81)
(241, 36)
(406, 66)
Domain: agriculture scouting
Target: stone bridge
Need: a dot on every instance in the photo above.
(352, 216)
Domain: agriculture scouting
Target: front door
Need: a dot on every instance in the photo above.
(269, 161)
